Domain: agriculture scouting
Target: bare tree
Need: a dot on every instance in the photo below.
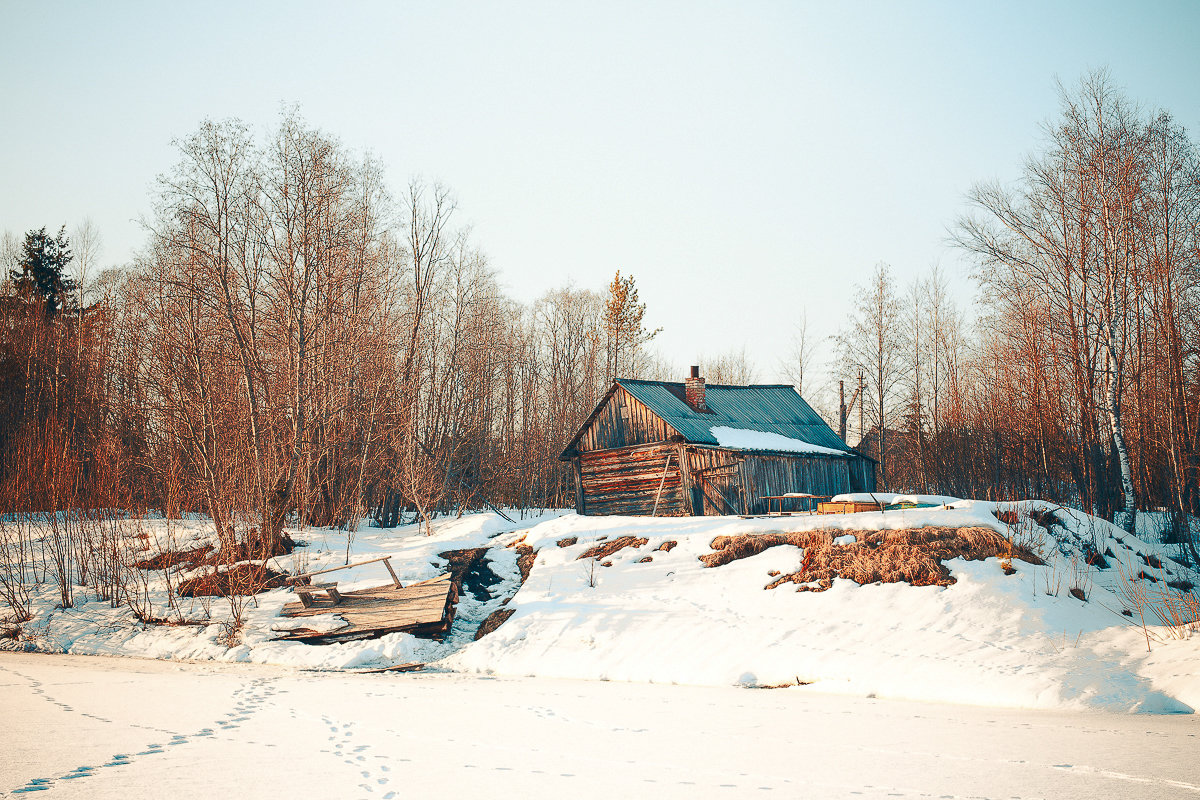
(801, 354)
(875, 343)
(87, 244)
(1070, 235)
(733, 368)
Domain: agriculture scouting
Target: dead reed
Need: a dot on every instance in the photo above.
(912, 556)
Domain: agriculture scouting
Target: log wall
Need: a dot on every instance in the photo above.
(625, 481)
(703, 480)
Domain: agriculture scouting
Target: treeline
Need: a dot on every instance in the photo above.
(1077, 377)
(295, 344)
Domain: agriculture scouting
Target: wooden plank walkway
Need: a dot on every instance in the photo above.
(425, 608)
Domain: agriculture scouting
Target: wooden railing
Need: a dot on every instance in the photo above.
(387, 562)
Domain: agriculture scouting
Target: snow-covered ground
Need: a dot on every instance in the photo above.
(126, 728)
(661, 616)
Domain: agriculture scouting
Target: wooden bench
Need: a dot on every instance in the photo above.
(305, 592)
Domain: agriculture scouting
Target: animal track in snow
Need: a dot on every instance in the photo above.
(250, 699)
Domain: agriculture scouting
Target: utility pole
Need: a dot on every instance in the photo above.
(845, 410)
(862, 385)
(842, 409)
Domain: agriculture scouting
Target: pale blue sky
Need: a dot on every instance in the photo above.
(745, 161)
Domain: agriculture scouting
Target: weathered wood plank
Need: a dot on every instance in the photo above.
(421, 604)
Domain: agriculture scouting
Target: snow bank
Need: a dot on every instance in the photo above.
(990, 639)
(656, 613)
(93, 627)
(758, 440)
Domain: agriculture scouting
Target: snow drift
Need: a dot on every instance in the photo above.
(999, 631)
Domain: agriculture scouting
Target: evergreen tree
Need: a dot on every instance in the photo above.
(41, 270)
(623, 328)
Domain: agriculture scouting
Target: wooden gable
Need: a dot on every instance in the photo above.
(621, 420)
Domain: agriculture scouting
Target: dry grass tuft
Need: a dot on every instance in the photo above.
(567, 542)
(607, 549)
(787, 685)
(906, 556)
(667, 546)
(745, 545)
(645, 560)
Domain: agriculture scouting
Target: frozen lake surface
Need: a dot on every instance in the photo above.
(77, 726)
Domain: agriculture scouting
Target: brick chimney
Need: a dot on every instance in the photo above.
(694, 390)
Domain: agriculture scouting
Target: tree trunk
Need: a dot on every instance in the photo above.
(1113, 408)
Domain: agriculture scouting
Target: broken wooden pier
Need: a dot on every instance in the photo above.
(424, 608)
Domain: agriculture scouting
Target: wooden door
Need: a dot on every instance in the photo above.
(719, 490)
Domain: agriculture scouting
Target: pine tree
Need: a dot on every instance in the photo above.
(623, 326)
(41, 270)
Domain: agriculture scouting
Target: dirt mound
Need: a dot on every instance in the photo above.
(189, 558)
(495, 620)
(239, 579)
(607, 549)
(470, 569)
(253, 548)
(526, 555)
(907, 556)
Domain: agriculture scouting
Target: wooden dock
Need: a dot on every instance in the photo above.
(425, 608)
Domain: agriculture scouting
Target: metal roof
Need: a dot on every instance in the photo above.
(770, 409)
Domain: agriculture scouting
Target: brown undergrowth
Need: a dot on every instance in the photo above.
(240, 579)
(912, 556)
(526, 555)
(256, 548)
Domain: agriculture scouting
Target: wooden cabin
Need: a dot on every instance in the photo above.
(687, 449)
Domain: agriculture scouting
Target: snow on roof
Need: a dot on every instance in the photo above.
(744, 439)
(777, 409)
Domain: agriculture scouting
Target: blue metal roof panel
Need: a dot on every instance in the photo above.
(770, 409)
